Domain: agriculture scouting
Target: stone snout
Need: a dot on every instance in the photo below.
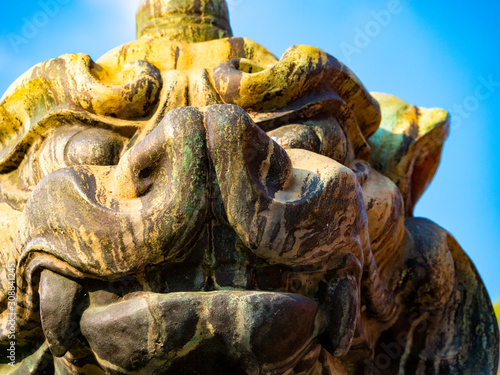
(237, 252)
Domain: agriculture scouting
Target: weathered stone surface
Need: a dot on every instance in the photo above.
(190, 204)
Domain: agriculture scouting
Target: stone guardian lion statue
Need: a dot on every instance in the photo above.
(190, 204)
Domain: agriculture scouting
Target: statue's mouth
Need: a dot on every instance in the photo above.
(205, 332)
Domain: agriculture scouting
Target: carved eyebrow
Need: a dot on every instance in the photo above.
(310, 107)
(63, 85)
(302, 76)
(13, 154)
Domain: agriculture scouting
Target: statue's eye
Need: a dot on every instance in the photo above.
(79, 145)
(296, 136)
(323, 135)
(334, 142)
(94, 147)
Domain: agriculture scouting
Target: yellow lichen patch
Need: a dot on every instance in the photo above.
(68, 83)
(169, 55)
(8, 223)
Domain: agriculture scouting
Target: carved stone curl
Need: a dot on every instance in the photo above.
(190, 204)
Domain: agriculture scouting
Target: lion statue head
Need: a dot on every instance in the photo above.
(190, 204)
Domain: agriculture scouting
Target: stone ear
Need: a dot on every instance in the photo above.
(407, 147)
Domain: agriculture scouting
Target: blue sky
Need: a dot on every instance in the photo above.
(432, 54)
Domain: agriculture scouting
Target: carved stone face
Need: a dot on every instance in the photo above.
(189, 204)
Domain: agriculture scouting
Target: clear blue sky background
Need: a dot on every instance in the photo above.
(430, 53)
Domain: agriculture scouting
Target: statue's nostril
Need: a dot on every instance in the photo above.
(146, 173)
